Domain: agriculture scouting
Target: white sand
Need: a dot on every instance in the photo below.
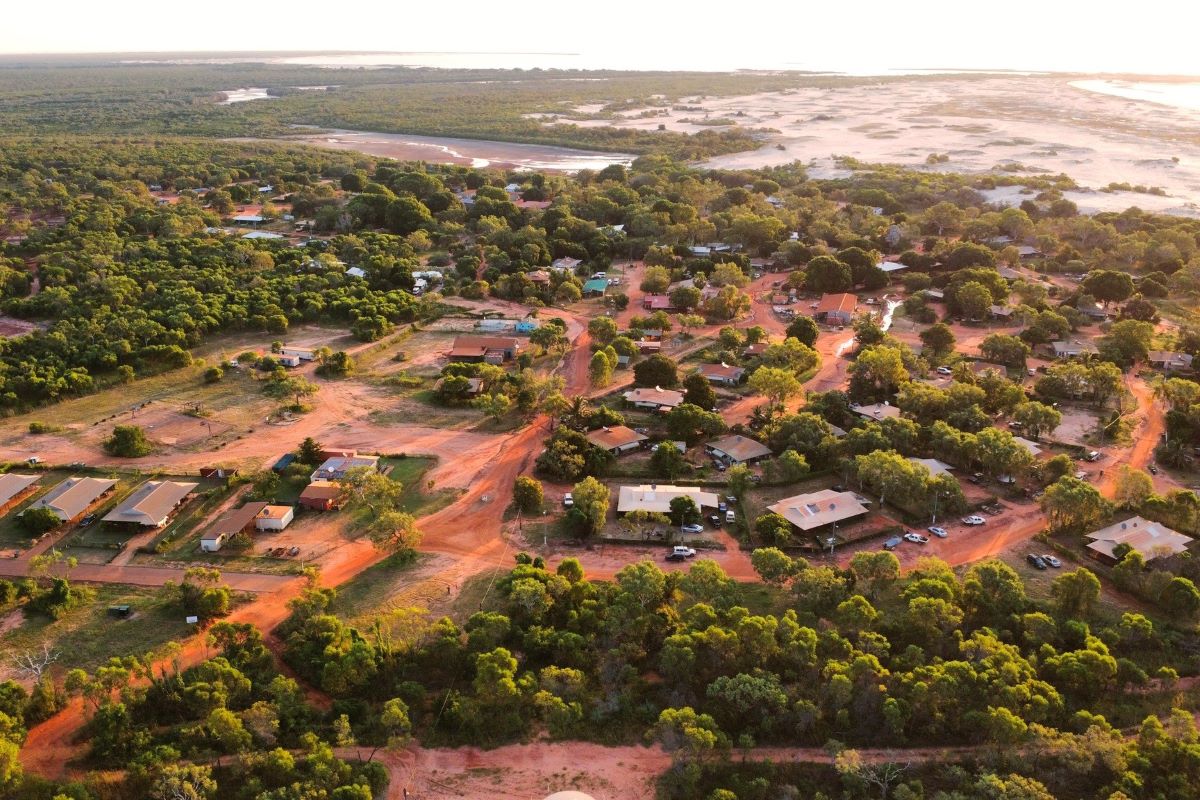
(1043, 123)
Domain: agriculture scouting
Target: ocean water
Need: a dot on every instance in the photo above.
(1176, 95)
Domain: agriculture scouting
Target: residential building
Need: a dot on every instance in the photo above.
(274, 518)
(1149, 539)
(657, 302)
(152, 504)
(302, 353)
(836, 309)
(539, 276)
(14, 488)
(816, 510)
(722, 373)
(656, 498)
(72, 498)
(490, 349)
(655, 399)
(756, 349)
(335, 469)
(616, 439)
(565, 263)
(474, 386)
(230, 524)
(934, 466)
(322, 496)
(876, 412)
(1073, 349)
(1168, 360)
(1034, 449)
(596, 287)
(735, 449)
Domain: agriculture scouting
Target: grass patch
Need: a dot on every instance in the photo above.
(88, 635)
(478, 593)
(373, 590)
(418, 498)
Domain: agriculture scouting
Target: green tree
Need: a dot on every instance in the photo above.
(684, 510)
(591, 503)
(777, 385)
(773, 529)
(773, 565)
(1076, 592)
(1131, 487)
(667, 461)
(655, 280)
(602, 330)
(527, 494)
(827, 275)
(493, 405)
(128, 441)
(1072, 504)
(938, 340)
(699, 391)
(657, 370)
(36, 521)
(1001, 348)
(310, 452)
(974, 300)
(803, 329)
(691, 423)
(1036, 418)
(600, 369)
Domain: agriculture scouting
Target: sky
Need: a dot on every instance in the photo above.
(863, 36)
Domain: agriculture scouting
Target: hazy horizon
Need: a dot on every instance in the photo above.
(869, 38)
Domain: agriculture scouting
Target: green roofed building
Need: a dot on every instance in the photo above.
(596, 286)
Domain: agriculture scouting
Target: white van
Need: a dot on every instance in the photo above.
(730, 516)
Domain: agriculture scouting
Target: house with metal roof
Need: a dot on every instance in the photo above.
(836, 309)
(1149, 539)
(737, 449)
(14, 488)
(722, 373)
(152, 504)
(616, 439)
(72, 498)
(334, 469)
(815, 510)
(655, 399)
(657, 498)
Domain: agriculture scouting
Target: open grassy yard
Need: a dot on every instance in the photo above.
(89, 635)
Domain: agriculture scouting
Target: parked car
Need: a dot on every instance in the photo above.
(974, 519)
(88, 520)
(676, 557)
(1094, 455)
(568, 500)
(722, 507)
(293, 551)
(892, 543)
(33, 460)
(715, 519)
(1037, 561)
(938, 532)
(944, 371)
(731, 500)
(691, 527)
(730, 516)
(915, 538)
(683, 550)
(1052, 560)
(1153, 469)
